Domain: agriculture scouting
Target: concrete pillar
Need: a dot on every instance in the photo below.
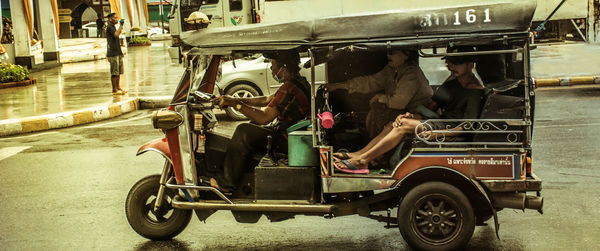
(143, 25)
(593, 29)
(23, 55)
(48, 30)
(125, 15)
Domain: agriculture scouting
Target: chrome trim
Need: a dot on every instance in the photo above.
(528, 93)
(161, 189)
(431, 55)
(150, 149)
(472, 126)
(478, 150)
(343, 184)
(185, 147)
(313, 115)
(431, 167)
(201, 188)
(288, 208)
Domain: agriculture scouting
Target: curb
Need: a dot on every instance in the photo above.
(567, 81)
(18, 84)
(66, 119)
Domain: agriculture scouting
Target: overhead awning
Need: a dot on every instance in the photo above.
(456, 21)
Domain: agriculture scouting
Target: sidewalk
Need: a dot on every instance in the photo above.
(566, 64)
(69, 94)
(78, 93)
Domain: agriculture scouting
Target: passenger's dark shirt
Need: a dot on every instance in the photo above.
(458, 102)
(114, 47)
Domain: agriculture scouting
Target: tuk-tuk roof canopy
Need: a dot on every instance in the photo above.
(482, 20)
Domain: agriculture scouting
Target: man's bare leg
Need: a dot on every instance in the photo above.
(115, 83)
(371, 143)
(391, 140)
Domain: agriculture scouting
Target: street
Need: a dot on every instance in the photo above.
(65, 189)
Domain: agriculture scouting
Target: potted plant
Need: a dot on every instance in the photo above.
(14, 75)
(139, 41)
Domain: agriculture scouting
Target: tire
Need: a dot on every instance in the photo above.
(424, 222)
(139, 208)
(240, 91)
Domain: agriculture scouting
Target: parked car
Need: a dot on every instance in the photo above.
(251, 76)
(156, 30)
(91, 28)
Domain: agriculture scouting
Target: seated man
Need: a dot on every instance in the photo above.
(460, 97)
(288, 105)
(400, 86)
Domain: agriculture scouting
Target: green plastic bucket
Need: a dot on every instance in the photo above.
(300, 149)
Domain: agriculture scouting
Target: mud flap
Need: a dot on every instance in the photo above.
(204, 214)
(482, 192)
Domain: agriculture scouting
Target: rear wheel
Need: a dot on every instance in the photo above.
(240, 91)
(162, 224)
(436, 216)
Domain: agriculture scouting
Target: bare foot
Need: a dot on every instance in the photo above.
(345, 155)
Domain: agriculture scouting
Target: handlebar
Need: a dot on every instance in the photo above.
(202, 96)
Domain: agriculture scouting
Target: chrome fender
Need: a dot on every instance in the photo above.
(159, 146)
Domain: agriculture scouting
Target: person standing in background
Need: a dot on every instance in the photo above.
(114, 54)
(99, 27)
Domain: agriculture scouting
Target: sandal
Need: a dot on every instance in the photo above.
(349, 167)
(119, 92)
(123, 91)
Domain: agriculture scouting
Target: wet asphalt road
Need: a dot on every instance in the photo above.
(66, 189)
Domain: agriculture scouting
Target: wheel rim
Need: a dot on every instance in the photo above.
(241, 94)
(436, 219)
(160, 216)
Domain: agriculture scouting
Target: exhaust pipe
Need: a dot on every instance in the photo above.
(518, 201)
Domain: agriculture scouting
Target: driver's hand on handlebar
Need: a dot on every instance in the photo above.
(224, 101)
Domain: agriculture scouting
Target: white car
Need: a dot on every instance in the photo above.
(91, 28)
(252, 77)
(152, 31)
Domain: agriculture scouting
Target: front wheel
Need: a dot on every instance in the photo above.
(436, 216)
(162, 224)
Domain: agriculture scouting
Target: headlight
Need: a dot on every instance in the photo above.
(166, 119)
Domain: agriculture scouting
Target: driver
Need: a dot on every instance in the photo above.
(287, 106)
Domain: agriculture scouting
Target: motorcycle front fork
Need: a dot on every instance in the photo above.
(163, 181)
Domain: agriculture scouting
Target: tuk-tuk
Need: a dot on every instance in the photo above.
(442, 188)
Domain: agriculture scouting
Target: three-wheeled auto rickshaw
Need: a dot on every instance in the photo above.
(442, 188)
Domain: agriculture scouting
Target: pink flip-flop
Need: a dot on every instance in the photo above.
(350, 168)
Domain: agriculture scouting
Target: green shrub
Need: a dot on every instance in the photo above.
(12, 73)
(139, 40)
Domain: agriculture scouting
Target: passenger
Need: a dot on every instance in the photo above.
(400, 86)
(288, 105)
(460, 97)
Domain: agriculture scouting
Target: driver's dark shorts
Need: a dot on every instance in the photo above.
(116, 65)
